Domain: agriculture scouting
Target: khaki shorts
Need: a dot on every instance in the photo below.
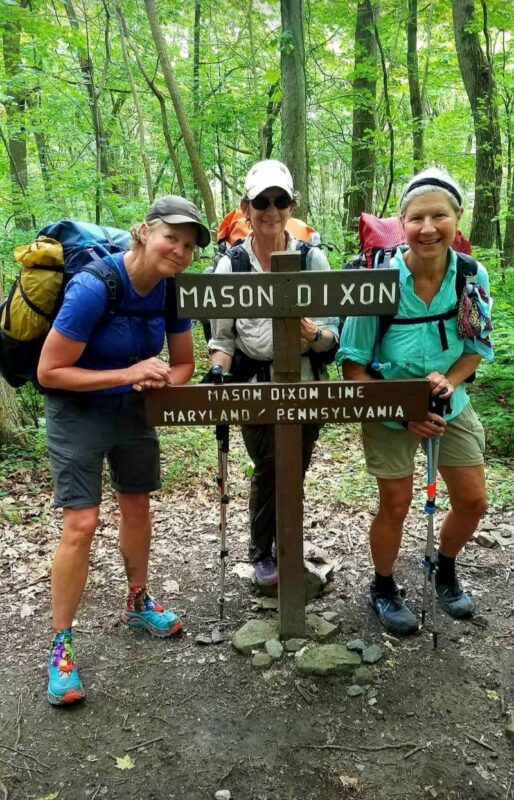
(390, 453)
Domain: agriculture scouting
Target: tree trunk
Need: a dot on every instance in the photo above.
(16, 140)
(139, 113)
(173, 89)
(414, 88)
(10, 418)
(272, 112)
(360, 191)
(10, 415)
(162, 106)
(508, 240)
(196, 61)
(103, 169)
(294, 112)
(477, 75)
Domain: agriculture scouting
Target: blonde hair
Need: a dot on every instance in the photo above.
(135, 232)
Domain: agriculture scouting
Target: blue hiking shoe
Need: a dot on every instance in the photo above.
(266, 573)
(392, 612)
(144, 612)
(453, 599)
(64, 684)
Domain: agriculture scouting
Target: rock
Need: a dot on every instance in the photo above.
(372, 654)
(254, 633)
(330, 616)
(373, 701)
(315, 581)
(356, 644)
(274, 648)
(223, 794)
(354, 690)
(203, 638)
(261, 660)
(320, 629)
(314, 553)
(363, 676)
(315, 577)
(217, 636)
(265, 602)
(485, 539)
(293, 645)
(328, 659)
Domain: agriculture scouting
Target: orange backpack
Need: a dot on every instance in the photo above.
(234, 229)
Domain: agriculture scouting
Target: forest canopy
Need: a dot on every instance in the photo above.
(106, 104)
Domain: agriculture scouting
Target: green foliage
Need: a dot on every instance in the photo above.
(493, 395)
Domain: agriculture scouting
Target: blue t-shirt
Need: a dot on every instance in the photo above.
(125, 338)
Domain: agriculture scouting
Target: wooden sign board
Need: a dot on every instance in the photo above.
(253, 295)
(288, 404)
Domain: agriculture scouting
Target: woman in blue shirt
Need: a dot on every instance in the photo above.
(430, 210)
(97, 370)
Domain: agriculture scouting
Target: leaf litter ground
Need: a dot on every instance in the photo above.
(180, 720)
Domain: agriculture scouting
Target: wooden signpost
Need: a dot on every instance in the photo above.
(286, 295)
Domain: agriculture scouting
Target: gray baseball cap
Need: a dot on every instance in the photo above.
(176, 211)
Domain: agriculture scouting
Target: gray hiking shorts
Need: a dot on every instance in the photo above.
(83, 429)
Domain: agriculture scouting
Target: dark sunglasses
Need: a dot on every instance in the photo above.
(261, 202)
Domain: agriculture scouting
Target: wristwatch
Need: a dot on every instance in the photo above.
(318, 336)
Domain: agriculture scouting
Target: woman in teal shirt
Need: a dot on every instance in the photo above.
(430, 210)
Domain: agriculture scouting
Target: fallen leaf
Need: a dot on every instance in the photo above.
(26, 610)
(349, 782)
(170, 587)
(242, 569)
(125, 763)
(49, 796)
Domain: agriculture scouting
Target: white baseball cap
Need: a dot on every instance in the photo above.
(266, 174)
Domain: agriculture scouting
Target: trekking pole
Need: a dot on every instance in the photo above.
(222, 434)
(438, 406)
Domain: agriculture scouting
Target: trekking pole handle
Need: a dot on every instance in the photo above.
(438, 405)
(217, 373)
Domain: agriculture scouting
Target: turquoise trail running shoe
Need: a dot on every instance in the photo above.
(153, 617)
(64, 684)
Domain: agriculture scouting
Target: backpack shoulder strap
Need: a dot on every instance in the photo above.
(111, 279)
(304, 248)
(467, 267)
(239, 258)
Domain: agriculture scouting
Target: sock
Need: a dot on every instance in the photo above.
(384, 584)
(136, 598)
(446, 569)
(59, 634)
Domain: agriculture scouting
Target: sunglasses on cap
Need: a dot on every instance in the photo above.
(262, 202)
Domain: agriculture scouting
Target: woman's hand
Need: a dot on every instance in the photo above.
(430, 428)
(308, 330)
(440, 386)
(152, 373)
(150, 384)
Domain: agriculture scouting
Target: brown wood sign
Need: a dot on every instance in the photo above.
(278, 403)
(285, 295)
(253, 295)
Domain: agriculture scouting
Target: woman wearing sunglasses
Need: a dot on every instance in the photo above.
(245, 346)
